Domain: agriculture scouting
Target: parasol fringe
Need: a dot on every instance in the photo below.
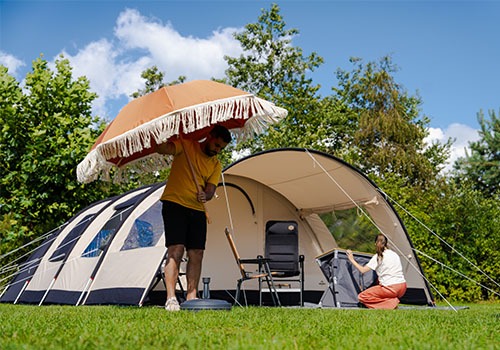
(140, 166)
(259, 114)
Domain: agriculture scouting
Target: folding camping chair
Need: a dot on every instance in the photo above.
(160, 276)
(263, 272)
(282, 250)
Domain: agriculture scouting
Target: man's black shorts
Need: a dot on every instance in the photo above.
(184, 226)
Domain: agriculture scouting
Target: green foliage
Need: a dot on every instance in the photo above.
(274, 69)
(459, 228)
(46, 130)
(471, 223)
(389, 132)
(351, 229)
(107, 327)
(154, 80)
(482, 166)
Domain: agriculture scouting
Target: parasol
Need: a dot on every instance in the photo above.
(189, 109)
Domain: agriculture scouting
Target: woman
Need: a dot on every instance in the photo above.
(392, 283)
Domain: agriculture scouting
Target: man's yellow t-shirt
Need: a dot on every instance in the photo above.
(181, 187)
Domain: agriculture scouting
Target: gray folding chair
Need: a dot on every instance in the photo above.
(282, 252)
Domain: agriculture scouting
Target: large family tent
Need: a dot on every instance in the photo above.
(111, 252)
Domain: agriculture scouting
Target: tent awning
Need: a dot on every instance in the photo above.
(311, 181)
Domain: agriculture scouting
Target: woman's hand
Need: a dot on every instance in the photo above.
(361, 269)
(350, 256)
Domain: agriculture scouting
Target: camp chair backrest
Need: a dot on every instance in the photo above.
(282, 247)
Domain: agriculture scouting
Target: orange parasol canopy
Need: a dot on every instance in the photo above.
(191, 108)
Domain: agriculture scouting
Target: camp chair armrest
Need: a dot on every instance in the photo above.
(254, 261)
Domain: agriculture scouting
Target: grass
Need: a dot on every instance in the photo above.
(112, 327)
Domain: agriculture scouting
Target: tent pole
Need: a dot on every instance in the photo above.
(153, 284)
(84, 291)
(22, 290)
(47, 291)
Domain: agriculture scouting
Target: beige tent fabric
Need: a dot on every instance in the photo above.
(77, 270)
(47, 270)
(138, 266)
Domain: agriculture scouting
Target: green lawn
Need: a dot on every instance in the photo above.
(111, 327)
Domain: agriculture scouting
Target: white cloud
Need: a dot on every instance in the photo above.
(197, 58)
(461, 135)
(114, 67)
(110, 77)
(237, 155)
(11, 62)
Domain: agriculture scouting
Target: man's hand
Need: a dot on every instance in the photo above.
(202, 197)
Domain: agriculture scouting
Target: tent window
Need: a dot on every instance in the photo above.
(69, 241)
(98, 244)
(103, 237)
(351, 230)
(146, 230)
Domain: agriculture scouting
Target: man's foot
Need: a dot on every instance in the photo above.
(172, 304)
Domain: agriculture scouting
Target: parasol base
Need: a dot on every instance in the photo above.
(205, 304)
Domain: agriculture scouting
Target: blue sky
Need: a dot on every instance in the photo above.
(448, 51)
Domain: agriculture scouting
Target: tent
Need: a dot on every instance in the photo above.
(111, 252)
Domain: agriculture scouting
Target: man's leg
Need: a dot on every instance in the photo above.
(193, 272)
(174, 257)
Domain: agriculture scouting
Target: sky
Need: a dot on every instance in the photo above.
(447, 52)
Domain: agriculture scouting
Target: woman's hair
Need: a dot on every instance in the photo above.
(381, 245)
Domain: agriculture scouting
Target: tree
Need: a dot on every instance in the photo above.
(464, 236)
(482, 166)
(154, 80)
(272, 68)
(388, 129)
(46, 130)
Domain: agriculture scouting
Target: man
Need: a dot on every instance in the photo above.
(183, 206)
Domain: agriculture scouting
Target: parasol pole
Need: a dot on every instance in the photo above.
(193, 174)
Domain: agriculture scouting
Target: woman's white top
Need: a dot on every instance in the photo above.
(390, 270)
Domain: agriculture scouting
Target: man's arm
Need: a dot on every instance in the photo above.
(166, 148)
(210, 191)
(207, 194)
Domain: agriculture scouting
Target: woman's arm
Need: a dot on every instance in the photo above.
(361, 269)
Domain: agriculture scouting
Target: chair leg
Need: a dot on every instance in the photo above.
(260, 291)
(302, 282)
(273, 291)
(238, 290)
(271, 286)
(302, 291)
